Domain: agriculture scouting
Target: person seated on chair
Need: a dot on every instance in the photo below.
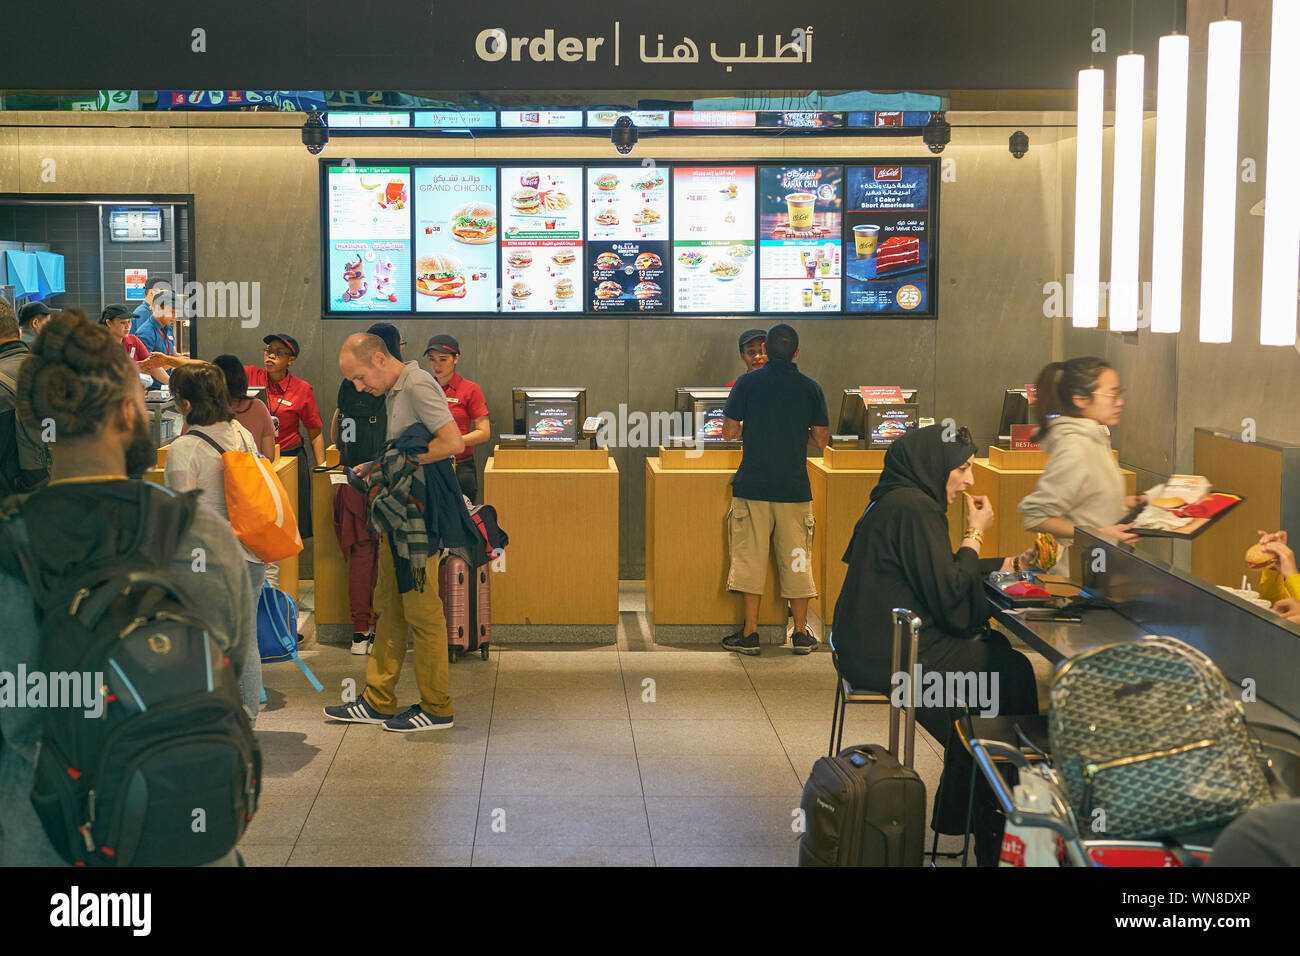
(900, 556)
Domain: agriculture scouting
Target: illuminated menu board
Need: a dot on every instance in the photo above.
(627, 244)
(456, 239)
(468, 119)
(887, 240)
(647, 119)
(541, 239)
(713, 239)
(800, 229)
(368, 256)
(541, 119)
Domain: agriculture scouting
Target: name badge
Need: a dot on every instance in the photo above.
(453, 401)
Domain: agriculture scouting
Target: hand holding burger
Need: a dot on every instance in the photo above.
(1274, 554)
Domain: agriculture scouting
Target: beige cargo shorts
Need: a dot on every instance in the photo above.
(751, 526)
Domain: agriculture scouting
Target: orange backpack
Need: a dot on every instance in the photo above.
(259, 507)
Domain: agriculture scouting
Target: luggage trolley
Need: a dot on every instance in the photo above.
(1192, 850)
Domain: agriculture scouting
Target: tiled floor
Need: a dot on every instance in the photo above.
(560, 756)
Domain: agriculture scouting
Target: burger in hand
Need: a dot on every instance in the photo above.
(442, 277)
(1257, 557)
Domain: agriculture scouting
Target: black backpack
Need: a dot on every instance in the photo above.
(168, 772)
(369, 416)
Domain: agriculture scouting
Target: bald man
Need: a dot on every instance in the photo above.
(411, 396)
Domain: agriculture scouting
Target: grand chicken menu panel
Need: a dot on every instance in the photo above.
(369, 245)
(800, 225)
(713, 238)
(541, 239)
(627, 247)
(456, 239)
(887, 241)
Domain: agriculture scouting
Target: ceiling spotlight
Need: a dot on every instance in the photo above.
(937, 133)
(623, 135)
(315, 134)
(1018, 144)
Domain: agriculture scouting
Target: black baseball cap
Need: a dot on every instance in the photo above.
(391, 336)
(749, 335)
(33, 310)
(443, 343)
(288, 340)
(115, 312)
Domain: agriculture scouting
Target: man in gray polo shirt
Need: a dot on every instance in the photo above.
(411, 395)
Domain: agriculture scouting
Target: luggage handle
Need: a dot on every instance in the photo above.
(905, 618)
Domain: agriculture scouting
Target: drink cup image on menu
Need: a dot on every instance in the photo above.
(865, 236)
(800, 209)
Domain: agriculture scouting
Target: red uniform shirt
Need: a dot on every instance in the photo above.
(290, 401)
(466, 403)
(135, 348)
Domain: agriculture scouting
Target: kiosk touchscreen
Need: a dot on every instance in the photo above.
(851, 428)
(885, 423)
(700, 412)
(549, 416)
(1015, 411)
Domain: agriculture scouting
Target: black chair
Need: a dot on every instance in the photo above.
(846, 694)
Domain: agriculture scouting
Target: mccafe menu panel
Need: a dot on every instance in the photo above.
(817, 239)
(800, 223)
(887, 241)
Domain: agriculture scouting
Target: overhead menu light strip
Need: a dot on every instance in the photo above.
(1170, 176)
(1126, 197)
(1281, 190)
(1087, 199)
(1219, 216)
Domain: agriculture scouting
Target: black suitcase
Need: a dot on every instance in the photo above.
(862, 807)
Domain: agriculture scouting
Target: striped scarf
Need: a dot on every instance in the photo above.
(397, 497)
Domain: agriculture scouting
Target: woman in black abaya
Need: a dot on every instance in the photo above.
(901, 556)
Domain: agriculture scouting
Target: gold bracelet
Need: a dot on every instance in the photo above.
(974, 535)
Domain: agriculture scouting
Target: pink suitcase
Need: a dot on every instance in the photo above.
(467, 605)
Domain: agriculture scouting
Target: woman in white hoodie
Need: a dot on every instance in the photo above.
(1077, 403)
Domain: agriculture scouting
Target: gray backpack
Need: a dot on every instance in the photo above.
(1149, 733)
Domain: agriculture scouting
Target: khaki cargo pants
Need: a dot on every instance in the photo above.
(751, 525)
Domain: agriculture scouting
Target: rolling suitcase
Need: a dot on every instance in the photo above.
(467, 605)
(863, 807)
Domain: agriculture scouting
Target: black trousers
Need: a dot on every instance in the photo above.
(1017, 694)
(468, 478)
(304, 488)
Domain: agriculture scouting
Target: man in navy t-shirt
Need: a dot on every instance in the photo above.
(774, 410)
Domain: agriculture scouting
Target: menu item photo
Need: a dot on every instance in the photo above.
(800, 228)
(887, 245)
(713, 227)
(628, 276)
(456, 232)
(368, 232)
(624, 204)
(541, 239)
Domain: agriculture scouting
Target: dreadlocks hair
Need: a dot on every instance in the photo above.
(77, 376)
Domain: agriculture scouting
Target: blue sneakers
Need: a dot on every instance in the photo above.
(415, 719)
(357, 712)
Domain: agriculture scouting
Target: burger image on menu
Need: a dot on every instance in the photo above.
(520, 291)
(563, 258)
(647, 290)
(608, 260)
(474, 223)
(520, 260)
(892, 429)
(609, 290)
(607, 217)
(564, 289)
(442, 277)
(607, 182)
(548, 426)
(526, 201)
(649, 260)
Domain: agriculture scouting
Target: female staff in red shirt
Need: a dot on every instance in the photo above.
(117, 319)
(467, 405)
(291, 402)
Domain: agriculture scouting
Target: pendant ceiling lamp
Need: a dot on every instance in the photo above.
(1087, 199)
(1219, 206)
(1170, 180)
(1281, 189)
(1126, 196)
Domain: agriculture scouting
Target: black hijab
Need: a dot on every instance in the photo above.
(922, 459)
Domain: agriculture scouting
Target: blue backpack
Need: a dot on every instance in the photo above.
(277, 630)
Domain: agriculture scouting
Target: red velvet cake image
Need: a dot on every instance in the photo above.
(898, 252)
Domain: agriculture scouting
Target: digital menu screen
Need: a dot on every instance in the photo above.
(467, 119)
(627, 248)
(456, 239)
(887, 241)
(715, 119)
(885, 423)
(541, 119)
(799, 119)
(551, 420)
(708, 420)
(800, 226)
(368, 258)
(650, 119)
(713, 238)
(541, 239)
